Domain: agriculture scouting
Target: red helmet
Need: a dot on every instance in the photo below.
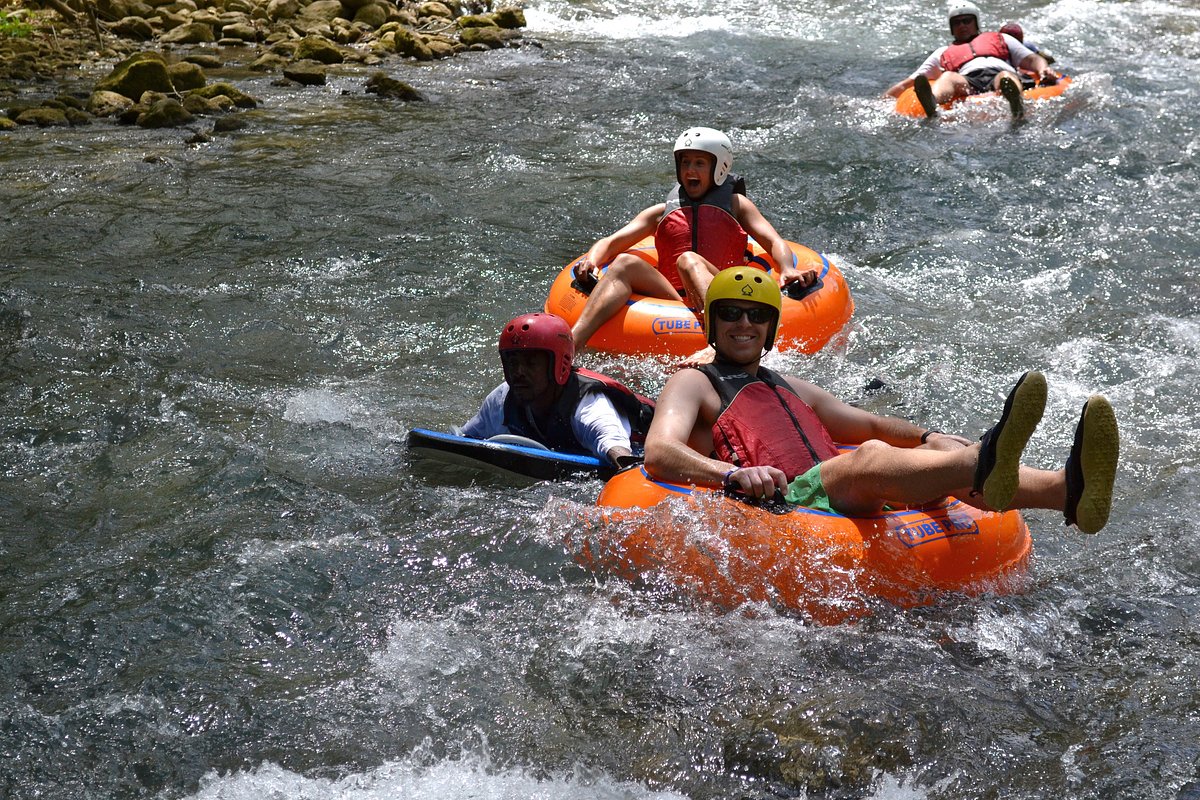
(1013, 30)
(542, 332)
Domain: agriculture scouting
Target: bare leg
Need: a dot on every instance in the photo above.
(627, 274)
(1009, 85)
(696, 273)
(950, 85)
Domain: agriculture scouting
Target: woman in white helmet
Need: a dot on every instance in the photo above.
(974, 63)
(699, 230)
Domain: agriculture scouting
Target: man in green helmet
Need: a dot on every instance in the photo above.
(736, 423)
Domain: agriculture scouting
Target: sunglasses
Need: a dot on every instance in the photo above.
(758, 315)
(961, 21)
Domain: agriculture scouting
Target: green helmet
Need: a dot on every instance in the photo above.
(743, 283)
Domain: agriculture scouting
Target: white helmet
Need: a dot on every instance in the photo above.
(962, 10)
(710, 141)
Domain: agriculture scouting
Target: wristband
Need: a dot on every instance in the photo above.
(725, 480)
(925, 435)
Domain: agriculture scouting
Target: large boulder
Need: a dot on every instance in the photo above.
(138, 74)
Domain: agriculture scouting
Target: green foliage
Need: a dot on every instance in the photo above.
(13, 24)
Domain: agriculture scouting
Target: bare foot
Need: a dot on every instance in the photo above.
(705, 356)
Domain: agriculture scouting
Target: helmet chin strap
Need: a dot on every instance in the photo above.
(724, 359)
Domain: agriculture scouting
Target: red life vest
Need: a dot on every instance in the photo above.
(990, 44)
(764, 423)
(718, 236)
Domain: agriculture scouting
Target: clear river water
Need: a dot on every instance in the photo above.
(223, 576)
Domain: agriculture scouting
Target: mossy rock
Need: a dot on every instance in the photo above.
(186, 76)
(306, 73)
(43, 117)
(407, 43)
(138, 74)
(439, 47)
(476, 21)
(317, 48)
(381, 84)
(491, 37)
(373, 15)
(239, 98)
(509, 18)
(165, 113)
(7, 124)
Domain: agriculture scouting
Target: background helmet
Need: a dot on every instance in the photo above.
(1014, 30)
(542, 332)
(962, 10)
(710, 141)
(743, 283)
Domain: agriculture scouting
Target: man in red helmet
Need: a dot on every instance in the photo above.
(545, 397)
(976, 62)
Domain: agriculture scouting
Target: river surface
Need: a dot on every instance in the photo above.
(222, 575)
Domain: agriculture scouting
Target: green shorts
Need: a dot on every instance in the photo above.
(808, 491)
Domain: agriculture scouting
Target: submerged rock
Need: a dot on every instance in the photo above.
(166, 112)
(381, 84)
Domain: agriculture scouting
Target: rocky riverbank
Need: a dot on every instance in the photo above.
(162, 51)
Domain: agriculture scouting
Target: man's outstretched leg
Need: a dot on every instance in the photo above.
(863, 480)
